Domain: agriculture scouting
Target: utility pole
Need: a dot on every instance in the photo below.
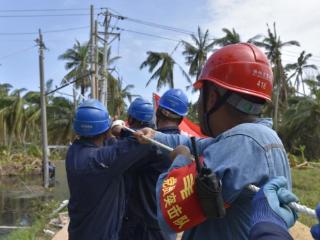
(104, 75)
(103, 86)
(92, 50)
(44, 137)
(96, 59)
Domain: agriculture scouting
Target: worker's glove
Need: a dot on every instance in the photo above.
(116, 127)
(315, 230)
(270, 204)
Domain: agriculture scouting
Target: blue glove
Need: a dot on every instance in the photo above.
(270, 204)
(315, 230)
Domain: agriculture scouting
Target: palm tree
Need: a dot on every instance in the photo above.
(60, 115)
(31, 131)
(299, 68)
(273, 45)
(303, 116)
(118, 96)
(15, 117)
(77, 64)
(232, 37)
(164, 73)
(5, 89)
(196, 52)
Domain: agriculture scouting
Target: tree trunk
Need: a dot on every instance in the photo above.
(74, 94)
(276, 109)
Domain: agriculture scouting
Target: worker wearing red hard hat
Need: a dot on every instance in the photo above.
(234, 85)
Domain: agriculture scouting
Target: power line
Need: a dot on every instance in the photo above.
(152, 24)
(44, 15)
(49, 31)
(16, 52)
(43, 10)
(145, 34)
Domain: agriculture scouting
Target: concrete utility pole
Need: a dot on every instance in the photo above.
(44, 137)
(96, 59)
(104, 75)
(92, 50)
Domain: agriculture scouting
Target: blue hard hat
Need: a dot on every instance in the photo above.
(176, 101)
(141, 109)
(91, 118)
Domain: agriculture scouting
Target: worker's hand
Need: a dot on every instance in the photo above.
(315, 230)
(117, 127)
(144, 133)
(180, 150)
(116, 131)
(270, 204)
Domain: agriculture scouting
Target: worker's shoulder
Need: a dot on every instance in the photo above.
(260, 131)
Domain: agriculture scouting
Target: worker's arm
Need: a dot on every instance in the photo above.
(271, 216)
(117, 158)
(236, 165)
(181, 158)
(172, 140)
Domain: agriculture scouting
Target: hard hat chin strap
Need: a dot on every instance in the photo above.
(222, 100)
(235, 100)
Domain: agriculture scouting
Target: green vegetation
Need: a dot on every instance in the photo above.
(42, 211)
(306, 185)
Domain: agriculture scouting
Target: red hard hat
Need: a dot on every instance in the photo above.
(241, 68)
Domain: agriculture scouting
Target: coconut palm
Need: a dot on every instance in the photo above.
(32, 128)
(303, 116)
(273, 45)
(299, 68)
(196, 51)
(15, 117)
(5, 89)
(77, 64)
(232, 37)
(164, 73)
(60, 115)
(118, 96)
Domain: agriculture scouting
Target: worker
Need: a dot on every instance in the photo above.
(272, 217)
(235, 84)
(140, 220)
(173, 106)
(95, 175)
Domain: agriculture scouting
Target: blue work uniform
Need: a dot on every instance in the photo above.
(268, 231)
(249, 153)
(140, 221)
(97, 189)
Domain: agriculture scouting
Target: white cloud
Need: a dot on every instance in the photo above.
(295, 20)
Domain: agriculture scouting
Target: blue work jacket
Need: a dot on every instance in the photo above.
(140, 221)
(268, 231)
(249, 153)
(97, 188)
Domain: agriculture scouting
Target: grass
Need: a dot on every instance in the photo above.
(35, 232)
(306, 185)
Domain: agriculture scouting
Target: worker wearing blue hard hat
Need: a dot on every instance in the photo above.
(140, 220)
(96, 175)
(140, 111)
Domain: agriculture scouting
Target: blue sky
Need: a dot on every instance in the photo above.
(19, 59)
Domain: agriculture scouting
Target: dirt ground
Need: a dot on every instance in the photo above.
(298, 232)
